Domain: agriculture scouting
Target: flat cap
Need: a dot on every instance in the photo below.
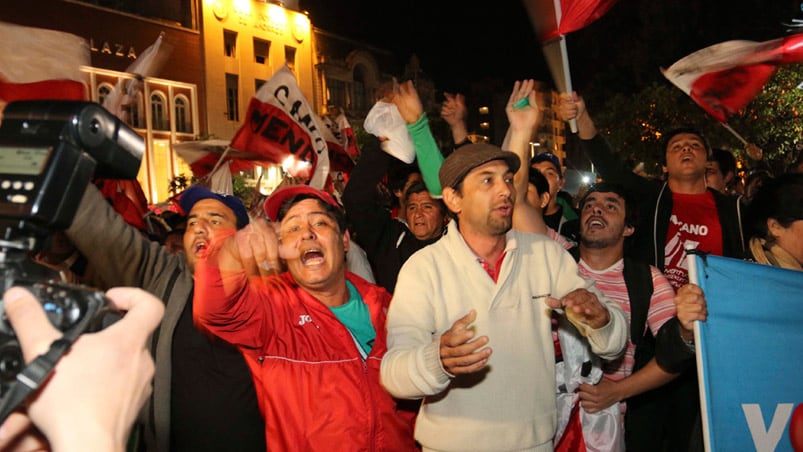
(466, 158)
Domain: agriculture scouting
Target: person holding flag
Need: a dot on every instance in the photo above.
(679, 213)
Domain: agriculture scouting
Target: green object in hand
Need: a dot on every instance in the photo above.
(521, 103)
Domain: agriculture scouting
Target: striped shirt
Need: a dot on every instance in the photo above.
(611, 283)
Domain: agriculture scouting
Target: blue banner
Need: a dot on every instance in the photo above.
(749, 353)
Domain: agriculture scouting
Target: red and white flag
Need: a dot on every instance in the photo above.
(281, 126)
(37, 63)
(341, 142)
(207, 155)
(725, 77)
(147, 64)
(552, 20)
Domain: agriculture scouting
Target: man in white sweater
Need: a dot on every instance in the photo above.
(469, 327)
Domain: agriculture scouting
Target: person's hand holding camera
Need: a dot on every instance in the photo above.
(97, 388)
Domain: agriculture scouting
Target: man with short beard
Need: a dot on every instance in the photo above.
(607, 221)
(481, 284)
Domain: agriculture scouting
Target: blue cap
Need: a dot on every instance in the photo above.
(190, 196)
(548, 157)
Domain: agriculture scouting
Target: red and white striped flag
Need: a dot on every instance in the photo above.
(37, 63)
(281, 126)
(725, 77)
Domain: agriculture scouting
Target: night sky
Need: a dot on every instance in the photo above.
(455, 41)
(460, 41)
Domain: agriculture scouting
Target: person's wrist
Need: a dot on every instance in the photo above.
(85, 438)
(687, 336)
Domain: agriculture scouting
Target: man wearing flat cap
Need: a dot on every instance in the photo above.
(313, 336)
(469, 327)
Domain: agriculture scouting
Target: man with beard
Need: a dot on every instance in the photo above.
(484, 283)
(607, 219)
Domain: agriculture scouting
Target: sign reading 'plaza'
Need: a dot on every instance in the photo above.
(112, 48)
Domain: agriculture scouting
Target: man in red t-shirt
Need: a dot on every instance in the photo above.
(678, 213)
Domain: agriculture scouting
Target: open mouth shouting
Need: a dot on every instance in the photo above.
(312, 257)
(199, 247)
(595, 223)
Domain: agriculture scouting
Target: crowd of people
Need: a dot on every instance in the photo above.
(490, 311)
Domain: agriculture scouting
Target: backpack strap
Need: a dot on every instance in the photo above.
(638, 278)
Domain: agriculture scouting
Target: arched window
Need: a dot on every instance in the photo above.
(104, 89)
(158, 111)
(183, 119)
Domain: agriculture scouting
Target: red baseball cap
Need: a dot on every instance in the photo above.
(277, 198)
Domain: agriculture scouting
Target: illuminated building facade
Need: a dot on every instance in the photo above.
(221, 52)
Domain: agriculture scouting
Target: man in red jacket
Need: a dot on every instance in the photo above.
(313, 336)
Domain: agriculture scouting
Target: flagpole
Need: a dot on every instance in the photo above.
(220, 160)
(567, 77)
(735, 133)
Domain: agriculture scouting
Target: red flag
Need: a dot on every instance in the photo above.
(281, 126)
(552, 20)
(127, 198)
(725, 77)
(205, 155)
(36, 63)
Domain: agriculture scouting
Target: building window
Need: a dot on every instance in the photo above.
(258, 84)
(290, 57)
(158, 112)
(359, 101)
(104, 89)
(232, 97)
(230, 43)
(181, 105)
(337, 93)
(261, 51)
(135, 115)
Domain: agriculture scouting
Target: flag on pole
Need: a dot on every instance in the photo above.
(36, 63)
(749, 353)
(341, 142)
(204, 156)
(147, 64)
(553, 20)
(281, 126)
(725, 77)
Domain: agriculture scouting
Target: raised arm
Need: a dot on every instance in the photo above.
(454, 112)
(608, 163)
(427, 153)
(524, 121)
(229, 277)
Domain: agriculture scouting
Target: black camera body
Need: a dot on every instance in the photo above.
(50, 151)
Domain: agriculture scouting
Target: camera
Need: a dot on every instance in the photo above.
(50, 150)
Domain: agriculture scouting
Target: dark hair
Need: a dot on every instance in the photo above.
(725, 159)
(399, 173)
(420, 187)
(631, 209)
(536, 178)
(780, 198)
(336, 212)
(677, 131)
